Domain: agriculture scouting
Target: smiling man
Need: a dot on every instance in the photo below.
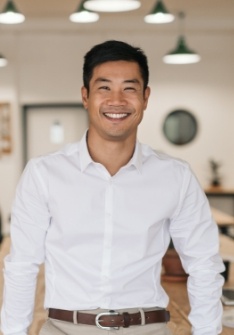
(100, 214)
(115, 98)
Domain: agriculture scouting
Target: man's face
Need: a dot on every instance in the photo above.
(116, 100)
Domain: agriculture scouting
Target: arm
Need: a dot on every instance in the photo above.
(195, 236)
(29, 223)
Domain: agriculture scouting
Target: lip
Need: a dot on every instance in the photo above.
(116, 116)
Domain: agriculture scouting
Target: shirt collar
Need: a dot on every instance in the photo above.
(85, 158)
(136, 159)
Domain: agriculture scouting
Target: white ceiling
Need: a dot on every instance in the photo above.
(200, 14)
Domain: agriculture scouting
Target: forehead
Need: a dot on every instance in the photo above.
(117, 69)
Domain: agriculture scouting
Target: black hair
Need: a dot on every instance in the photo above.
(114, 51)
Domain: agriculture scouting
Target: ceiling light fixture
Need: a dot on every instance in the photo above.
(10, 14)
(182, 54)
(159, 14)
(83, 15)
(112, 5)
(3, 61)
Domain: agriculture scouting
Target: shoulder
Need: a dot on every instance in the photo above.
(169, 172)
(160, 158)
(54, 159)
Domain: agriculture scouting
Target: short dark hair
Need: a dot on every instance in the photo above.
(114, 51)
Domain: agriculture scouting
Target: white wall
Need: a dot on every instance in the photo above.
(47, 67)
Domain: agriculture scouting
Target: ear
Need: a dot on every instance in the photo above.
(146, 96)
(84, 95)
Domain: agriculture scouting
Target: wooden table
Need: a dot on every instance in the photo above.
(178, 306)
(222, 218)
(220, 193)
(227, 248)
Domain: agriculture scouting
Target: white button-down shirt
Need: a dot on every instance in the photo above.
(103, 237)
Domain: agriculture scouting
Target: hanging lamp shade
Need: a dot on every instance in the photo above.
(83, 15)
(112, 5)
(3, 61)
(159, 14)
(181, 54)
(10, 14)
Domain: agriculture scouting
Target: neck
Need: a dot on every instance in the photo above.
(111, 154)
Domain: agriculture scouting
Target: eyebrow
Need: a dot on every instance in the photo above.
(134, 81)
(102, 79)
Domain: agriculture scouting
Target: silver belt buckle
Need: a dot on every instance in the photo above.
(105, 313)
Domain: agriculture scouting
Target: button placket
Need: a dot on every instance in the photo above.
(108, 235)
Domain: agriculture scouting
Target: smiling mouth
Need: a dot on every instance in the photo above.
(116, 116)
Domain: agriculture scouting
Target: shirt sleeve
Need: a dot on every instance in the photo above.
(195, 236)
(29, 222)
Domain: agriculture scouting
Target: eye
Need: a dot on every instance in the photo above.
(130, 89)
(104, 88)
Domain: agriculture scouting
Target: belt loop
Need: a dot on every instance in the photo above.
(142, 316)
(75, 318)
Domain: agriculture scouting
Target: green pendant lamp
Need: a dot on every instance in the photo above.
(83, 15)
(159, 14)
(181, 54)
(10, 14)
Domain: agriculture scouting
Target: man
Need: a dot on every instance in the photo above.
(100, 214)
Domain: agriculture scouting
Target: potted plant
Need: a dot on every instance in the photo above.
(215, 174)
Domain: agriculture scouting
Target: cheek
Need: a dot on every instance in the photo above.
(91, 104)
(95, 100)
(138, 115)
(140, 105)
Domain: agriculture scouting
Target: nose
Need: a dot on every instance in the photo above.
(116, 98)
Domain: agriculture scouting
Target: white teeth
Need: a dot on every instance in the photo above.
(116, 116)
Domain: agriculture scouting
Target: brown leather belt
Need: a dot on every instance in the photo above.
(111, 319)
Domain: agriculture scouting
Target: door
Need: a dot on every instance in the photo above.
(47, 128)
